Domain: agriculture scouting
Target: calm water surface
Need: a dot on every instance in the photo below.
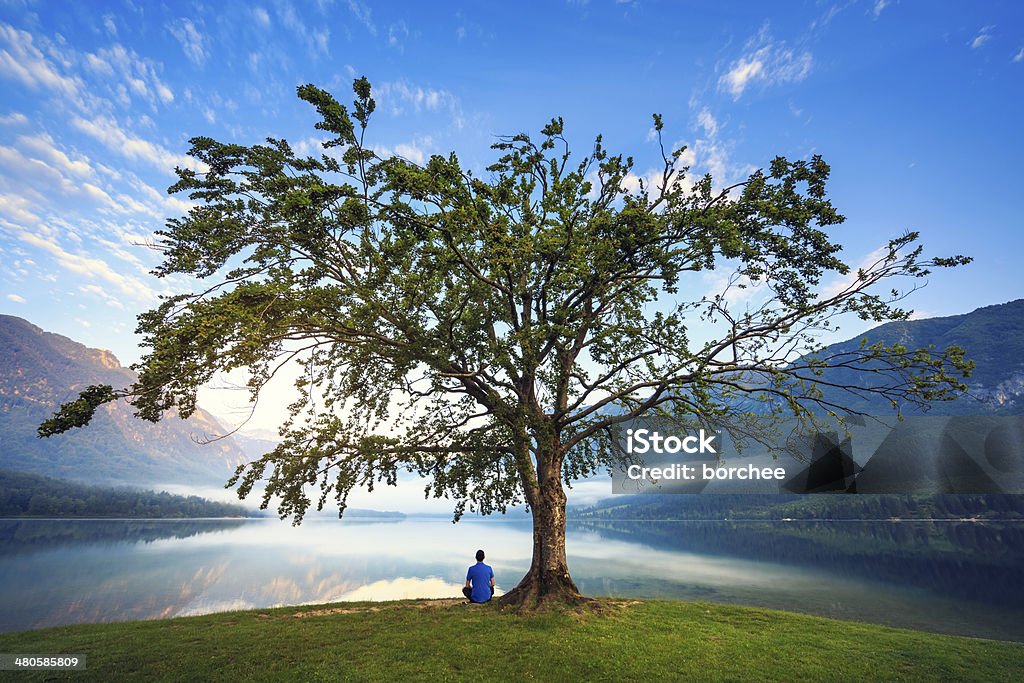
(953, 578)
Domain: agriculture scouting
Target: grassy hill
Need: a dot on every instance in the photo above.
(450, 640)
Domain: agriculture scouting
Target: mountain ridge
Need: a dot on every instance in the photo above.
(39, 370)
(993, 337)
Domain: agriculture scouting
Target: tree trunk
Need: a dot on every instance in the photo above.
(548, 579)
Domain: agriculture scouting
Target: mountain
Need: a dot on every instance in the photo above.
(994, 339)
(40, 370)
(963, 458)
(255, 446)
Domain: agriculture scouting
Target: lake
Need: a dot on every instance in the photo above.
(962, 578)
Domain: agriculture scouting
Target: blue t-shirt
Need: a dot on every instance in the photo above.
(480, 575)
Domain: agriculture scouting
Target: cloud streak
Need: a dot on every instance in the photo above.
(193, 43)
(21, 60)
(984, 35)
(765, 62)
(107, 131)
(86, 266)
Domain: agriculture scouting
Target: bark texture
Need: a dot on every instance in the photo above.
(548, 580)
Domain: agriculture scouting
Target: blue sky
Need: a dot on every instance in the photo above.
(916, 105)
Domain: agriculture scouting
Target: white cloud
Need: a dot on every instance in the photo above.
(138, 86)
(707, 122)
(826, 19)
(403, 588)
(766, 62)
(16, 299)
(708, 154)
(399, 94)
(688, 159)
(86, 266)
(321, 40)
(109, 25)
(98, 291)
(1019, 57)
(253, 60)
(192, 41)
(714, 159)
(397, 34)
(45, 149)
(286, 13)
(23, 61)
(262, 17)
(712, 154)
(411, 152)
(98, 65)
(98, 194)
(107, 131)
(13, 119)
(127, 204)
(168, 205)
(37, 169)
(17, 208)
(879, 6)
(415, 151)
(842, 282)
(41, 63)
(164, 92)
(138, 73)
(289, 18)
(984, 35)
(310, 147)
(735, 290)
(650, 182)
(362, 13)
(741, 73)
(35, 173)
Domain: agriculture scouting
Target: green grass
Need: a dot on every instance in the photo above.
(439, 641)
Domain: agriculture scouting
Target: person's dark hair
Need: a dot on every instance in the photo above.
(479, 555)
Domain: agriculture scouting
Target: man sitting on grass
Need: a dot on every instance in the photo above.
(479, 580)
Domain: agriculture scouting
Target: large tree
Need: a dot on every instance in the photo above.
(486, 332)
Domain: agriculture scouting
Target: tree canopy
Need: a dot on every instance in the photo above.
(486, 330)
